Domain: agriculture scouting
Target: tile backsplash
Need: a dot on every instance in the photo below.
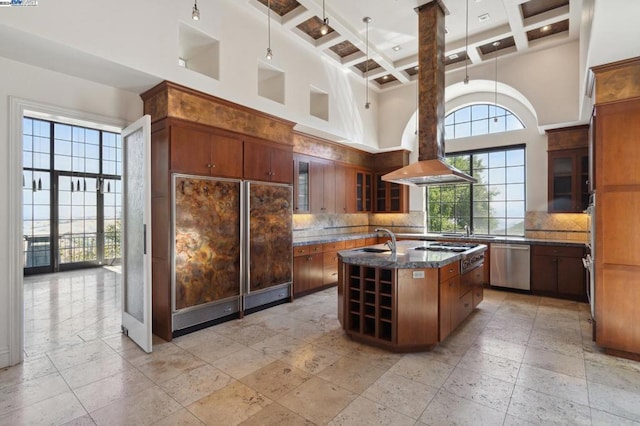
(538, 225)
(557, 226)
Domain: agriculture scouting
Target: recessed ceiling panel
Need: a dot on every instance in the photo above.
(547, 30)
(455, 57)
(536, 7)
(281, 7)
(411, 71)
(372, 65)
(385, 79)
(343, 49)
(504, 44)
(312, 26)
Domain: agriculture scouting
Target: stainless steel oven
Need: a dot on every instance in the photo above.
(589, 259)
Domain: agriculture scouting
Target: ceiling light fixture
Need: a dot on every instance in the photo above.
(484, 17)
(396, 48)
(324, 29)
(466, 46)
(495, 89)
(195, 13)
(545, 28)
(269, 51)
(367, 104)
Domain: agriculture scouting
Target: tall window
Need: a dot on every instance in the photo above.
(71, 194)
(495, 205)
(481, 119)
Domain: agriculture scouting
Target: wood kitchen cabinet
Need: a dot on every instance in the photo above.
(201, 151)
(341, 188)
(568, 169)
(307, 268)
(568, 181)
(267, 162)
(449, 299)
(558, 271)
(390, 197)
(322, 186)
(301, 185)
(359, 186)
(616, 254)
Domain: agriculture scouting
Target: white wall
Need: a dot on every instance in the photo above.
(47, 87)
(143, 35)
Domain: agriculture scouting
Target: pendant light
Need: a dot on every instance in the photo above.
(269, 51)
(367, 104)
(495, 90)
(324, 29)
(195, 13)
(466, 46)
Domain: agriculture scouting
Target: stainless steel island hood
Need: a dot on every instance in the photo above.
(430, 168)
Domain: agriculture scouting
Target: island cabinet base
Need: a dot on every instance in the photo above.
(396, 309)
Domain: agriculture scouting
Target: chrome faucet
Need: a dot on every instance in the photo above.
(391, 244)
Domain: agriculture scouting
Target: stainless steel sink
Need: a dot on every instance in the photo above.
(373, 250)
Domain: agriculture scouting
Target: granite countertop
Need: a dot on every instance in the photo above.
(406, 257)
(320, 239)
(332, 238)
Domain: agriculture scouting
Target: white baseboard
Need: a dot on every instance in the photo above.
(4, 357)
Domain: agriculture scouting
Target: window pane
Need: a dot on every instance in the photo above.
(497, 193)
(515, 192)
(497, 124)
(497, 176)
(448, 120)
(479, 112)
(515, 157)
(463, 115)
(463, 130)
(515, 174)
(479, 127)
(513, 123)
(497, 159)
(515, 227)
(480, 192)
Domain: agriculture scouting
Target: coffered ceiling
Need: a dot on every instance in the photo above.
(519, 26)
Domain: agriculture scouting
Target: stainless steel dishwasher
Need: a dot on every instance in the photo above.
(510, 266)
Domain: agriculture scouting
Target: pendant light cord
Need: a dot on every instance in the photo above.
(466, 46)
(366, 64)
(269, 22)
(495, 87)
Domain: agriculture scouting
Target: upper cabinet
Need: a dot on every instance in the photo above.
(390, 197)
(323, 186)
(268, 162)
(360, 191)
(205, 152)
(568, 173)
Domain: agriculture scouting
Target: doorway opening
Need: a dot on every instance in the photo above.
(71, 196)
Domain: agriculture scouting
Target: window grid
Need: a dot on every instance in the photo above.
(77, 156)
(495, 205)
(480, 119)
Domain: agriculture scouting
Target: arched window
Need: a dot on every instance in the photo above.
(480, 119)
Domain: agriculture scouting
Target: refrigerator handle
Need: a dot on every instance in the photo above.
(244, 237)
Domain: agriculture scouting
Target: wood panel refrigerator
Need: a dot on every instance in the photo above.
(232, 250)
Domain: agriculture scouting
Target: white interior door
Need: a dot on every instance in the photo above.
(136, 232)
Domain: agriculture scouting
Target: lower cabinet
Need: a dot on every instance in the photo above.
(449, 315)
(315, 266)
(307, 268)
(558, 271)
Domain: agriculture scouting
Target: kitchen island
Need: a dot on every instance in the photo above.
(411, 298)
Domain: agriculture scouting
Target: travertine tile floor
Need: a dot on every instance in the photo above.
(517, 360)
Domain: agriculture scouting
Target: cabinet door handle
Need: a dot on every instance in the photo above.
(451, 270)
(209, 165)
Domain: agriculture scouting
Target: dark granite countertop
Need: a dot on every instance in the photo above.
(407, 257)
(437, 237)
(332, 238)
